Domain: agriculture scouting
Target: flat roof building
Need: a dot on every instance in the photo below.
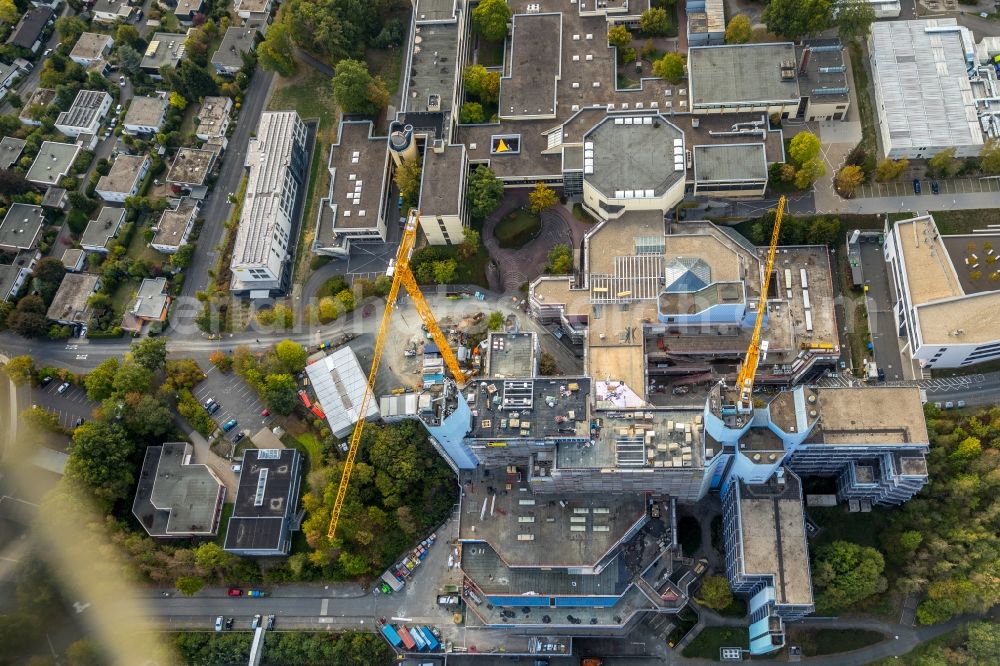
(86, 113)
(924, 98)
(276, 158)
(706, 22)
(443, 216)
(150, 305)
(12, 278)
(73, 259)
(339, 384)
(108, 11)
(744, 78)
(53, 161)
(948, 302)
(41, 99)
(10, 151)
(177, 498)
(175, 226)
(266, 500)
(145, 115)
(536, 63)
(164, 49)
(213, 117)
(823, 80)
(190, 168)
(730, 169)
(247, 9)
(512, 354)
(90, 48)
(69, 306)
(228, 58)
(21, 227)
(101, 231)
(124, 179)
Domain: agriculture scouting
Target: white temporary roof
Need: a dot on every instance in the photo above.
(339, 385)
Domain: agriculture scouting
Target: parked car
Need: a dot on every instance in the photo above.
(881, 375)
(960, 404)
(219, 622)
(121, 81)
(63, 388)
(46, 381)
(935, 188)
(256, 593)
(239, 437)
(229, 623)
(266, 413)
(228, 425)
(916, 186)
(235, 592)
(80, 421)
(949, 405)
(255, 622)
(47, 52)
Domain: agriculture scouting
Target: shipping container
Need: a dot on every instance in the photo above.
(404, 636)
(391, 635)
(432, 643)
(418, 638)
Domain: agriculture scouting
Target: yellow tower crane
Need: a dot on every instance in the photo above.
(403, 276)
(744, 381)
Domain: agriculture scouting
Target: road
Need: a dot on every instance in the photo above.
(216, 209)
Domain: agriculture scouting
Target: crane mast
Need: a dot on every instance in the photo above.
(744, 381)
(402, 277)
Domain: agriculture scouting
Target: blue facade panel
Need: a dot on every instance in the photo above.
(531, 600)
(763, 645)
(586, 602)
(451, 435)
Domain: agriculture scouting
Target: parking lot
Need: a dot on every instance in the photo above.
(70, 406)
(904, 187)
(238, 401)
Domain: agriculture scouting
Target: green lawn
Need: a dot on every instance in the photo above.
(310, 95)
(312, 446)
(952, 222)
(227, 513)
(519, 228)
(817, 642)
(706, 645)
(865, 112)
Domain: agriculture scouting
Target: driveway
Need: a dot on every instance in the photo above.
(70, 406)
(238, 401)
(879, 302)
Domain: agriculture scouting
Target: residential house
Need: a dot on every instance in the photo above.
(90, 48)
(53, 161)
(150, 305)
(164, 49)
(100, 232)
(73, 259)
(56, 198)
(189, 171)
(10, 151)
(124, 179)
(41, 98)
(228, 59)
(70, 304)
(213, 118)
(21, 227)
(8, 74)
(253, 9)
(28, 32)
(186, 9)
(86, 113)
(145, 115)
(175, 225)
(108, 11)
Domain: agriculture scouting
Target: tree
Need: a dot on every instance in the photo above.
(12, 182)
(132, 377)
(989, 157)
(560, 259)
(221, 360)
(354, 89)
(189, 585)
(803, 147)
(129, 59)
(183, 373)
(619, 36)
(84, 653)
(280, 393)
(292, 355)
(183, 257)
(798, 18)
(471, 113)
(69, 28)
(490, 18)
(28, 318)
(150, 353)
(654, 21)
(984, 641)
(47, 277)
(8, 12)
(485, 192)
(445, 271)
(854, 19)
(100, 381)
(739, 30)
(888, 169)
(275, 53)
(848, 179)
(20, 369)
(542, 198)
(482, 84)
(846, 573)
(944, 164)
(99, 459)
(715, 593)
(41, 420)
(809, 173)
(128, 35)
(211, 557)
(496, 321)
(407, 179)
(469, 245)
(670, 67)
(823, 231)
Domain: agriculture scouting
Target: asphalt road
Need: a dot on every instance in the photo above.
(880, 317)
(216, 208)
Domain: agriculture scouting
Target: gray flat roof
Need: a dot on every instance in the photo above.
(434, 10)
(511, 354)
(52, 162)
(173, 222)
(146, 111)
(922, 91)
(535, 64)
(84, 109)
(101, 230)
(265, 500)
(90, 46)
(633, 154)
(70, 302)
(731, 162)
(54, 197)
(212, 114)
(358, 163)
(71, 257)
(191, 166)
(10, 150)
(124, 172)
(164, 48)
(21, 226)
(151, 298)
(544, 407)
(741, 73)
(175, 497)
(236, 41)
(432, 68)
(824, 76)
(442, 182)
